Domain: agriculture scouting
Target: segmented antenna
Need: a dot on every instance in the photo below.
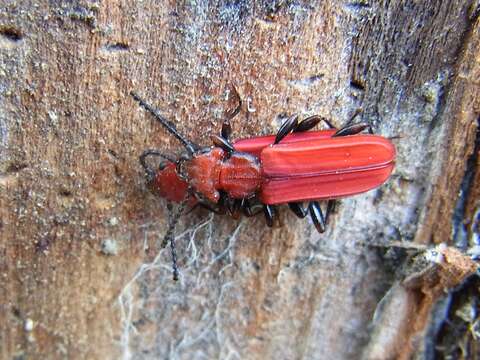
(152, 152)
(173, 217)
(191, 147)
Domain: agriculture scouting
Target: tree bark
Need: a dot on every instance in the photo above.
(83, 273)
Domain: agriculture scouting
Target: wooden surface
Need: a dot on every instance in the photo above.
(82, 273)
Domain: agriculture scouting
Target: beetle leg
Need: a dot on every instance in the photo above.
(269, 212)
(330, 208)
(223, 143)
(297, 209)
(353, 129)
(234, 112)
(233, 206)
(355, 114)
(248, 208)
(216, 210)
(317, 216)
(226, 127)
(310, 122)
(287, 127)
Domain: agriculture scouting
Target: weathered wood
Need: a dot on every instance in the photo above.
(82, 272)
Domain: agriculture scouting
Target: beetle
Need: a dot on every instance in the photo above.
(294, 166)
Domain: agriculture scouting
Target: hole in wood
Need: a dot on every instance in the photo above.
(11, 33)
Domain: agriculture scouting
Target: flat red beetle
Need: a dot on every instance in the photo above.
(292, 167)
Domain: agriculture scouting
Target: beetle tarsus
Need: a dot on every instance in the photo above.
(331, 204)
(317, 216)
(269, 212)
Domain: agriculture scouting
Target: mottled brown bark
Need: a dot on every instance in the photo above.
(82, 272)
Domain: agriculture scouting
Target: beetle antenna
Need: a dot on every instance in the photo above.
(152, 152)
(173, 217)
(191, 147)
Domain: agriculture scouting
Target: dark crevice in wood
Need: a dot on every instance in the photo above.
(118, 46)
(440, 106)
(65, 193)
(15, 167)
(112, 153)
(474, 11)
(464, 40)
(456, 337)
(16, 312)
(458, 219)
(358, 5)
(357, 84)
(11, 34)
(43, 244)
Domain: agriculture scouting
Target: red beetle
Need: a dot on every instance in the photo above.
(294, 166)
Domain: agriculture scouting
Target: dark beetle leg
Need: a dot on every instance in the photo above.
(297, 209)
(248, 208)
(269, 212)
(287, 127)
(226, 127)
(223, 143)
(330, 208)
(317, 216)
(209, 207)
(310, 122)
(355, 114)
(234, 207)
(353, 129)
(222, 140)
(315, 212)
